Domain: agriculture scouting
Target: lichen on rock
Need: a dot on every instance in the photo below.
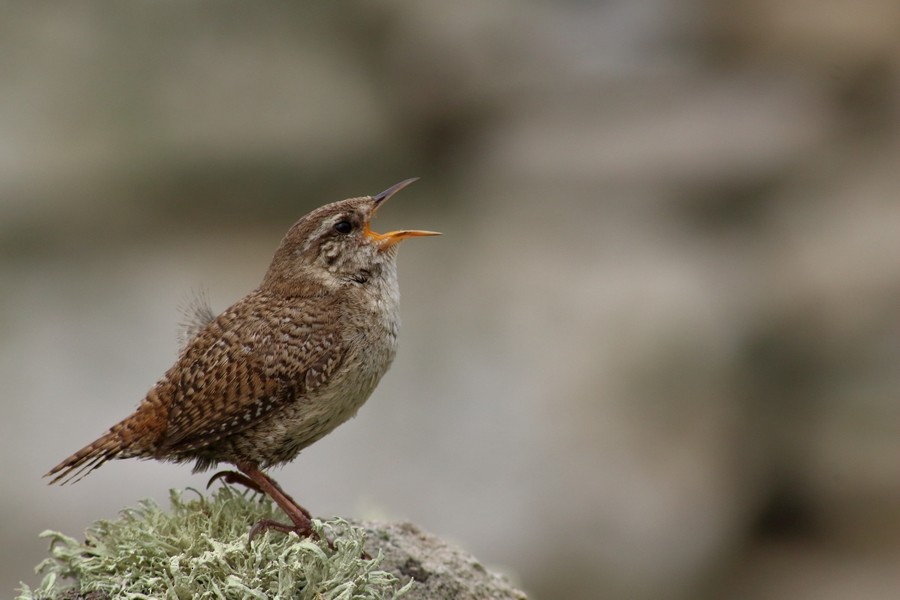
(199, 549)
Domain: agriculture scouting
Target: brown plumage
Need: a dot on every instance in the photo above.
(280, 368)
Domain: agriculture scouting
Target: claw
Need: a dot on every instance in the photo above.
(266, 524)
(305, 531)
(232, 477)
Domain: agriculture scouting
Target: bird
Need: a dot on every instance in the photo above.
(281, 367)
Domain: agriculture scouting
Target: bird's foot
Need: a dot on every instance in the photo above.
(303, 530)
(253, 478)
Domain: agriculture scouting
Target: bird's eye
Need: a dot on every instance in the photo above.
(344, 227)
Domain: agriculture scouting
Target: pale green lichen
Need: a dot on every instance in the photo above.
(199, 549)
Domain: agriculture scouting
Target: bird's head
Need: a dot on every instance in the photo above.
(335, 245)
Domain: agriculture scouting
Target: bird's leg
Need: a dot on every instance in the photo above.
(301, 518)
(232, 477)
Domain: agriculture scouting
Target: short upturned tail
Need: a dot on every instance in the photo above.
(77, 466)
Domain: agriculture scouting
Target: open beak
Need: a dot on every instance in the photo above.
(386, 240)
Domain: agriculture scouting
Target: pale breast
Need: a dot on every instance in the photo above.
(370, 325)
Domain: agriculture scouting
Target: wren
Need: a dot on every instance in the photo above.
(280, 368)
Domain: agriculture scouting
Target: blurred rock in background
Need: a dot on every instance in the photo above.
(655, 353)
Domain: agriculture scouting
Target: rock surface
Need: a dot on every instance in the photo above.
(438, 569)
(198, 548)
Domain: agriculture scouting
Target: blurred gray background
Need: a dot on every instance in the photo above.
(655, 354)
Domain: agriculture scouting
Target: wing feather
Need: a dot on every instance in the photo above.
(243, 366)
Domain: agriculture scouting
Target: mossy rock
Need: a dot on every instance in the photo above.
(199, 549)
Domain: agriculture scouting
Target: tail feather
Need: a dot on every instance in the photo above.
(77, 466)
